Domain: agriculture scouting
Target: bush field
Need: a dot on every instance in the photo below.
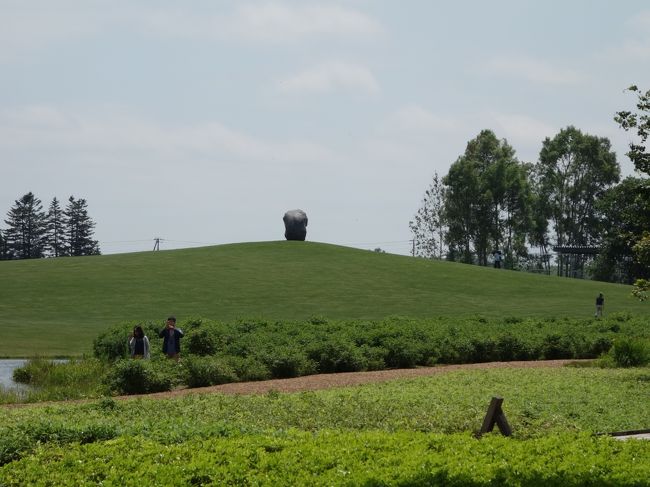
(250, 350)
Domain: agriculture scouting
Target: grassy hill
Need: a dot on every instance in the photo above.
(57, 306)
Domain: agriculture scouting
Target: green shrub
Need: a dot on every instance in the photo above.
(201, 342)
(207, 371)
(22, 375)
(285, 362)
(337, 356)
(402, 352)
(141, 376)
(374, 357)
(113, 345)
(631, 353)
(248, 368)
(512, 348)
(555, 346)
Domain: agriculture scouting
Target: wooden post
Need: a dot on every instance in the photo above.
(495, 416)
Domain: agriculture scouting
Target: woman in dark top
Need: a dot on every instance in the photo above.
(139, 343)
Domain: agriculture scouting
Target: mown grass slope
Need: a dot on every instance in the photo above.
(57, 306)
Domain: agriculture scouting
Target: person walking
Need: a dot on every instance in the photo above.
(171, 339)
(600, 304)
(139, 344)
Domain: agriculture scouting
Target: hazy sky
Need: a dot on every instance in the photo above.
(204, 121)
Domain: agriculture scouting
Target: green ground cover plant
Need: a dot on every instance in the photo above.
(538, 402)
(56, 307)
(406, 432)
(341, 458)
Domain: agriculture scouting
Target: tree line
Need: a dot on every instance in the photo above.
(33, 233)
(571, 199)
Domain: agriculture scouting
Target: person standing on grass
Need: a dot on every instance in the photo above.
(497, 259)
(139, 344)
(600, 304)
(171, 339)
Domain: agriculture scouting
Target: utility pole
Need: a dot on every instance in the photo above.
(156, 245)
(413, 249)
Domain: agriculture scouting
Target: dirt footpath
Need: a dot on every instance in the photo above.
(322, 381)
(345, 379)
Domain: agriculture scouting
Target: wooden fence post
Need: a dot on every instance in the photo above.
(495, 416)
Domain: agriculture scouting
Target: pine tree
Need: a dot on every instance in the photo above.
(4, 250)
(79, 229)
(25, 234)
(56, 226)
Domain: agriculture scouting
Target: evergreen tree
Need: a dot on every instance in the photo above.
(56, 225)
(4, 249)
(25, 233)
(79, 229)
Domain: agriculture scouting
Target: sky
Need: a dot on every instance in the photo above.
(203, 122)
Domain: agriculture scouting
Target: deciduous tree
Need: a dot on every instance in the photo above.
(574, 171)
(427, 227)
(487, 203)
(640, 121)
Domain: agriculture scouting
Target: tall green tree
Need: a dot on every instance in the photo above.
(25, 233)
(487, 203)
(56, 225)
(79, 229)
(626, 215)
(573, 172)
(427, 227)
(639, 155)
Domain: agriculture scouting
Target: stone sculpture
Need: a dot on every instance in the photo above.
(295, 225)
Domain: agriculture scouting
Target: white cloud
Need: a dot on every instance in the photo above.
(532, 70)
(27, 27)
(416, 120)
(266, 21)
(640, 21)
(636, 45)
(107, 131)
(630, 49)
(329, 77)
(522, 129)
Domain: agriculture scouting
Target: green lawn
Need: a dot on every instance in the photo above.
(57, 306)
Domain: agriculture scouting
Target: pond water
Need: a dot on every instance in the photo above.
(7, 367)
